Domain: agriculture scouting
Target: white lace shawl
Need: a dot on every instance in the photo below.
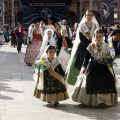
(105, 49)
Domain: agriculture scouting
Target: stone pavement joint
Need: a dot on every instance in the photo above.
(17, 101)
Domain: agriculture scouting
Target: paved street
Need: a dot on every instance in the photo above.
(17, 101)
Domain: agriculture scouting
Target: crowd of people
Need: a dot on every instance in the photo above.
(61, 56)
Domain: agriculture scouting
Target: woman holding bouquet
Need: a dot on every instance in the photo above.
(96, 85)
(50, 78)
(33, 48)
(83, 38)
(64, 46)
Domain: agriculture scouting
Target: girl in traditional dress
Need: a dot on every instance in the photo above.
(83, 38)
(96, 83)
(47, 40)
(50, 78)
(33, 49)
(63, 46)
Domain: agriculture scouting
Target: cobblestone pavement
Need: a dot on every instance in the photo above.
(17, 101)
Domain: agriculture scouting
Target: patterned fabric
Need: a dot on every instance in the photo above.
(80, 95)
(64, 58)
(33, 50)
(53, 89)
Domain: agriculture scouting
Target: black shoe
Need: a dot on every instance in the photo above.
(102, 105)
(56, 104)
(48, 102)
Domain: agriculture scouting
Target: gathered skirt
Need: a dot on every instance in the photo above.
(97, 86)
(32, 51)
(80, 95)
(52, 91)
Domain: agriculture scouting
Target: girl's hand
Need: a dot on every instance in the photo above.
(83, 70)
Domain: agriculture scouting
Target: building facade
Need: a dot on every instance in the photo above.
(74, 14)
(78, 7)
(117, 11)
(7, 11)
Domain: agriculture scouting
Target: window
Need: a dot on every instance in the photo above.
(116, 4)
(115, 15)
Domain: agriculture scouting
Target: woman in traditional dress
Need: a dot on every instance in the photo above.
(63, 46)
(30, 31)
(57, 31)
(50, 85)
(13, 40)
(33, 49)
(47, 40)
(83, 38)
(97, 86)
(49, 25)
(42, 26)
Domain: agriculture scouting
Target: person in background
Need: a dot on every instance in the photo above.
(33, 48)
(115, 35)
(47, 40)
(6, 36)
(49, 25)
(65, 26)
(30, 31)
(57, 31)
(25, 36)
(74, 31)
(19, 31)
(13, 41)
(63, 45)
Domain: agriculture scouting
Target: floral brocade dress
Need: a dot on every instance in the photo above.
(53, 90)
(33, 49)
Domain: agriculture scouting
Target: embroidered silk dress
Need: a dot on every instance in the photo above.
(33, 50)
(53, 90)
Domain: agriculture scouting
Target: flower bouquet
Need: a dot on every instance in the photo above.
(42, 64)
(109, 60)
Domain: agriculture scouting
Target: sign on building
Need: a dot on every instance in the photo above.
(108, 12)
(37, 10)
